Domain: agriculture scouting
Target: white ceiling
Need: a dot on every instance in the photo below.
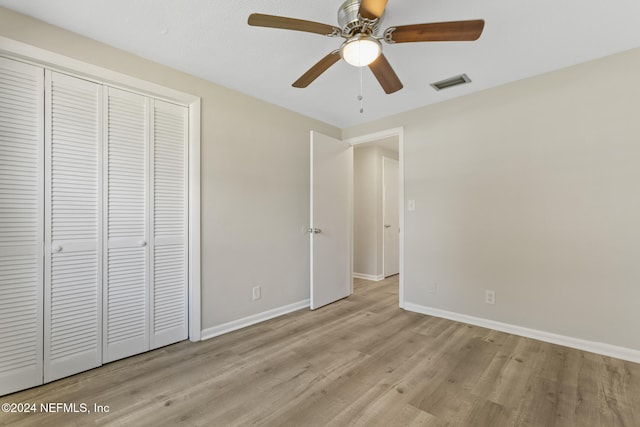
(211, 39)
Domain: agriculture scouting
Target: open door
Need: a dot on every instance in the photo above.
(331, 219)
(391, 217)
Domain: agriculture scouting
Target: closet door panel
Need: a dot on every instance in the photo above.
(126, 296)
(73, 261)
(169, 263)
(21, 225)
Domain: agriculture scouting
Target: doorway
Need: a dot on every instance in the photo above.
(378, 221)
(390, 217)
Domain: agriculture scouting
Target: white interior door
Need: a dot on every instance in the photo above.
(391, 215)
(169, 291)
(21, 225)
(126, 274)
(73, 259)
(331, 219)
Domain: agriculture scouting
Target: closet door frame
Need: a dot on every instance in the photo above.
(41, 57)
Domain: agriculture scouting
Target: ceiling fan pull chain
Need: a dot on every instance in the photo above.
(360, 97)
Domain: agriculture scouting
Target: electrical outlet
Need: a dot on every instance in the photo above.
(257, 292)
(490, 296)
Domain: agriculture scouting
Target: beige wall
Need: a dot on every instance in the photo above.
(255, 179)
(365, 201)
(530, 189)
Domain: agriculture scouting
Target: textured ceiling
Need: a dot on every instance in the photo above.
(211, 39)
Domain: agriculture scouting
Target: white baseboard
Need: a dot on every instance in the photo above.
(252, 320)
(580, 344)
(368, 277)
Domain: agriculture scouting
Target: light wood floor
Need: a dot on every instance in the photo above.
(360, 361)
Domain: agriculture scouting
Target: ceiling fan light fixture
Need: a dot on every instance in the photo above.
(361, 50)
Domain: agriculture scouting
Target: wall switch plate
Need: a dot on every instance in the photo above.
(490, 296)
(412, 205)
(257, 292)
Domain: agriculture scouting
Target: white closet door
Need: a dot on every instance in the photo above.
(21, 224)
(169, 322)
(73, 260)
(126, 289)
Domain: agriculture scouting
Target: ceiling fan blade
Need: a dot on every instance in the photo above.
(271, 21)
(319, 68)
(385, 75)
(454, 31)
(372, 9)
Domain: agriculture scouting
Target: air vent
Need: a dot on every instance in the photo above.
(451, 81)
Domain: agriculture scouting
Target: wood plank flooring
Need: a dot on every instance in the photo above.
(361, 361)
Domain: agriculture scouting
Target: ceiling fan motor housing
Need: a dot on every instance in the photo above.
(351, 22)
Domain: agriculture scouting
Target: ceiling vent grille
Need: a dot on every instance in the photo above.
(451, 82)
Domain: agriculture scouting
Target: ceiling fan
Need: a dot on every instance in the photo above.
(359, 22)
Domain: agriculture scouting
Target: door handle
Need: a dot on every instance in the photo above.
(387, 226)
(56, 249)
(314, 230)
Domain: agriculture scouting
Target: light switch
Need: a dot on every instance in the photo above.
(412, 205)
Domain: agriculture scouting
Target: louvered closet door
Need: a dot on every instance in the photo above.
(126, 296)
(169, 262)
(73, 260)
(21, 224)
